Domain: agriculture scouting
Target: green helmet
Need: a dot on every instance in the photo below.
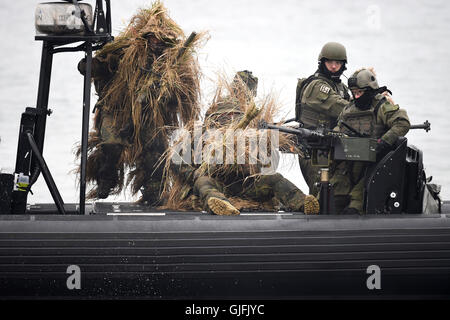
(363, 79)
(248, 78)
(333, 51)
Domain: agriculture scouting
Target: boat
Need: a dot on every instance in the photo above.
(400, 249)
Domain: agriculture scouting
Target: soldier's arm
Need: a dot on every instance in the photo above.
(337, 128)
(319, 94)
(396, 119)
(101, 67)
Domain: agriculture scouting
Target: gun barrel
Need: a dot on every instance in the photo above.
(186, 44)
(297, 131)
(425, 126)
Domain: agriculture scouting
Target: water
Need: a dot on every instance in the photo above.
(407, 42)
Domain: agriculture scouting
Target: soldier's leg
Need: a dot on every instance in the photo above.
(285, 191)
(342, 184)
(110, 149)
(356, 199)
(148, 177)
(214, 201)
(357, 192)
(310, 174)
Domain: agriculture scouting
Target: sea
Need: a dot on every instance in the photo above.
(407, 42)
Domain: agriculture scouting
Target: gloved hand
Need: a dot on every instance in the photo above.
(82, 66)
(382, 146)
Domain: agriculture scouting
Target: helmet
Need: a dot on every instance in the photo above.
(333, 51)
(248, 78)
(363, 79)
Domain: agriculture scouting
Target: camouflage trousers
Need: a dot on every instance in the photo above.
(261, 189)
(310, 174)
(348, 179)
(111, 147)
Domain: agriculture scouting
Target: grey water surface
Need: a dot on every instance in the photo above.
(407, 42)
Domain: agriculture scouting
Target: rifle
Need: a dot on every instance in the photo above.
(322, 146)
(319, 145)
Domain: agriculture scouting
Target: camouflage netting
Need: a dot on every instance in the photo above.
(233, 109)
(154, 88)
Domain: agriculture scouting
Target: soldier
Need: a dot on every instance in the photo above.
(110, 145)
(212, 190)
(372, 113)
(320, 99)
(147, 81)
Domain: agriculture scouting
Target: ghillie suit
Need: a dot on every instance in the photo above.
(147, 81)
(236, 182)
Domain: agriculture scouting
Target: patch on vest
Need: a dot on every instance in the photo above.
(389, 107)
(325, 89)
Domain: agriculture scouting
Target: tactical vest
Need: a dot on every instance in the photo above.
(364, 121)
(311, 117)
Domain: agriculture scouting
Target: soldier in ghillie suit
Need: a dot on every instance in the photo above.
(320, 99)
(219, 187)
(147, 81)
(372, 113)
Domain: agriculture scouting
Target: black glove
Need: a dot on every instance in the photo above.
(382, 146)
(82, 66)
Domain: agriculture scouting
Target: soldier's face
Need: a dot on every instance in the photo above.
(357, 93)
(333, 65)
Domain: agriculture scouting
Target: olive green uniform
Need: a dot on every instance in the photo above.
(383, 120)
(318, 103)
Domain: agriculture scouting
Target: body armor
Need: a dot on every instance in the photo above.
(312, 117)
(365, 121)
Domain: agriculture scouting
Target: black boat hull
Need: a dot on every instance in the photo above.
(199, 256)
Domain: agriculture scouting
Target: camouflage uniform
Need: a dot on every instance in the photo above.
(381, 120)
(212, 191)
(320, 99)
(112, 143)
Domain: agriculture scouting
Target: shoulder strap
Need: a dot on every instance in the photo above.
(378, 105)
(299, 95)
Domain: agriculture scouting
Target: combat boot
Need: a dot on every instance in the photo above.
(221, 207)
(151, 193)
(104, 187)
(350, 210)
(311, 205)
(107, 175)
